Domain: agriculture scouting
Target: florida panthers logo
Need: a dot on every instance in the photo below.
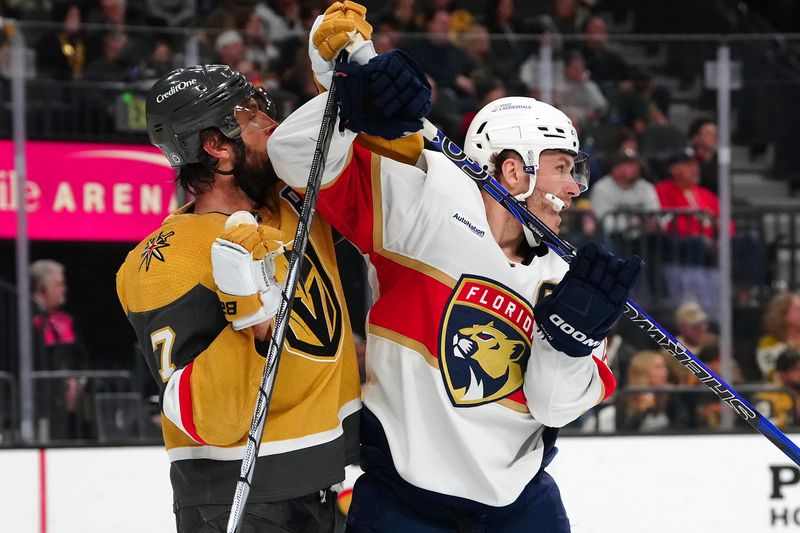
(485, 342)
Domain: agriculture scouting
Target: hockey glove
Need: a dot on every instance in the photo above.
(579, 313)
(243, 265)
(387, 97)
(339, 25)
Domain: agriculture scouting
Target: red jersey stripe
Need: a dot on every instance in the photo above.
(608, 379)
(185, 400)
(400, 285)
(347, 203)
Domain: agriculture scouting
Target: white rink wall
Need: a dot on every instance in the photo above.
(703, 484)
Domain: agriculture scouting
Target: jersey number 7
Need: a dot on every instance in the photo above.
(164, 339)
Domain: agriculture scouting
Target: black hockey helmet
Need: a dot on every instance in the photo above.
(189, 100)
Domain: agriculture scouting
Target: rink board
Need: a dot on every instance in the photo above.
(736, 484)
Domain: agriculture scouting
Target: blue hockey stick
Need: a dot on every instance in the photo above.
(655, 331)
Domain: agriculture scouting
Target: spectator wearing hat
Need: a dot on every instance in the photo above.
(682, 191)
(692, 324)
(230, 48)
(623, 189)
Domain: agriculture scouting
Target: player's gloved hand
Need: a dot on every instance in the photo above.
(342, 26)
(387, 97)
(243, 265)
(579, 313)
(340, 23)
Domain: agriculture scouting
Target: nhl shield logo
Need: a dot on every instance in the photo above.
(484, 341)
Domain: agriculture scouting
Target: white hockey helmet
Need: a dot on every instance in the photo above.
(528, 127)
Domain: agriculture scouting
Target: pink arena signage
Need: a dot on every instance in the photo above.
(87, 192)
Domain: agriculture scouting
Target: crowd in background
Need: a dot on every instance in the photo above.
(642, 164)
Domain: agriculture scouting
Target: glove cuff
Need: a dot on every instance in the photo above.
(238, 308)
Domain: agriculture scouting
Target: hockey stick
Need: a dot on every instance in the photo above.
(655, 331)
(284, 311)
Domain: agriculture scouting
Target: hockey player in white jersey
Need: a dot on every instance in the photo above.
(481, 340)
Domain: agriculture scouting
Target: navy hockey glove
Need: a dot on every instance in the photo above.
(387, 97)
(579, 313)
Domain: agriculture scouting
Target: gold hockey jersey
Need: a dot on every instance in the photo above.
(209, 374)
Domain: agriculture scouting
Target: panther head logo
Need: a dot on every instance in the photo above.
(492, 360)
(484, 342)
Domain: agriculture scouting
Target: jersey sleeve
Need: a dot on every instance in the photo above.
(208, 373)
(360, 189)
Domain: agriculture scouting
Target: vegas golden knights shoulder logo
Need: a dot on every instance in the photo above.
(484, 342)
(152, 249)
(316, 324)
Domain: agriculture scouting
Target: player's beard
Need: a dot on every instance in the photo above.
(255, 175)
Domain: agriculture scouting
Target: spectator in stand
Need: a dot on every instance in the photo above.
(443, 61)
(487, 89)
(62, 54)
(623, 189)
(113, 65)
(703, 139)
(230, 48)
(579, 96)
(113, 15)
(281, 18)
(783, 407)
(681, 191)
(404, 14)
(650, 410)
(781, 326)
(507, 41)
(475, 41)
(707, 408)
(566, 18)
(692, 324)
(608, 68)
(634, 105)
(258, 47)
(386, 35)
(161, 61)
(66, 412)
(293, 51)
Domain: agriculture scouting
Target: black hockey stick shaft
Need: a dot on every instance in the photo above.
(653, 329)
(284, 311)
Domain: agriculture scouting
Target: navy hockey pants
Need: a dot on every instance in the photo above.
(383, 507)
(385, 503)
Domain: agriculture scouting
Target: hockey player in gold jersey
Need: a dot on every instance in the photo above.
(201, 292)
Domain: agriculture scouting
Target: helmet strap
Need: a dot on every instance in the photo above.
(531, 171)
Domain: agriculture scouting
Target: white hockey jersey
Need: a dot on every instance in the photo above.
(456, 374)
